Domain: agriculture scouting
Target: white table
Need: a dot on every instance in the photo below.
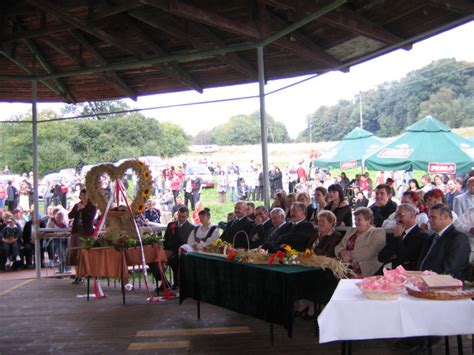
(350, 315)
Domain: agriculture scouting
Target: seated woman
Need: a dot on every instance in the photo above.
(339, 205)
(361, 245)
(197, 209)
(328, 237)
(203, 234)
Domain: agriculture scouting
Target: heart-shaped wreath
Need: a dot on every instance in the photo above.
(116, 173)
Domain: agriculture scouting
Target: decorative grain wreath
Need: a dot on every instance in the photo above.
(144, 183)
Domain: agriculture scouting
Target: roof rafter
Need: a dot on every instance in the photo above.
(322, 57)
(345, 19)
(174, 70)
(233, 59)
(65, 92)
(195, 41)
(62, 48)
(462, 6)
(112, 76)
(212, 19)
(64, 17)
(23, 66)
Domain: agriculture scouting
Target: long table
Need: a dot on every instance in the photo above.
(266, 292)
(350, 315)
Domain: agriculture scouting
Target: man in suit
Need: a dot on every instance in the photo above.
(239, 227)
(176, 234)
(383, 206)
(405, 245)
(447, 252)
(301, 232)
(262, 228)
(279, 226)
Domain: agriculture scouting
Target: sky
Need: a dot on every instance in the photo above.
(292, 106)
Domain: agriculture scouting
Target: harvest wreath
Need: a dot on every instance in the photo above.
(286, 256)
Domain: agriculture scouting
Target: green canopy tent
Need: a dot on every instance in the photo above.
(349, 152)
(427, 145)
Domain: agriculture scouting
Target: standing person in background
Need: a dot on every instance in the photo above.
(370, 184)
(232, 180)
(175, 186)
(465, 201)
(12, 196)
(82, 214)
(3, 194)
(259, 196)
(196, 185)
(6, 170)
(452, 191)
(301, 172)
(427, 185)
(439, 183)
(222, 186)
(278, 179)
(188, 191)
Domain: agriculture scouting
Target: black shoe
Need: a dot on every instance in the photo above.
(174, 287)
(307, 316)
(77, 281)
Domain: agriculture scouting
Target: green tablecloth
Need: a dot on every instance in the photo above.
(266, 292)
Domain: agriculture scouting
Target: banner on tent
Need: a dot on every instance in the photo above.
(395, 153)
(442, 168)
(348, 165)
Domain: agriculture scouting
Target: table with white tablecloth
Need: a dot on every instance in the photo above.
(350, 315)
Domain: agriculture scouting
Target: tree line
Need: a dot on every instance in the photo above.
(443, 89)
(74, 143)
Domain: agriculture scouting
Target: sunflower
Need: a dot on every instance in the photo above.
(140, 208)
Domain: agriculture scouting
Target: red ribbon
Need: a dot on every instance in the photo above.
(279, 255)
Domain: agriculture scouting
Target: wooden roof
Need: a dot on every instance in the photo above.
(106, 49)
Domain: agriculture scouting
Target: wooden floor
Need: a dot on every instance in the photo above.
(46, 316)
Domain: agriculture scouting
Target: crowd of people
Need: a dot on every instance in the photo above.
(417, 225)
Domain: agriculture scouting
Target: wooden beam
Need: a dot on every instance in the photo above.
(62, 48)
(196, 41)
(66, 18)
(462, 6)
(194, 13)
(112, 76)
(298, 42)
(345, 19)
(23, 66)
(352, 22)
(233, 59)
(49, 69)
(173, 70)
(204, 16)
(51, 29)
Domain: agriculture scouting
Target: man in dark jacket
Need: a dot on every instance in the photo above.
(176, 234)
(383, 206)
(238, 231)
(262, 228)
(280, 226)
(301, 232)
(447, 252)
(405, 245)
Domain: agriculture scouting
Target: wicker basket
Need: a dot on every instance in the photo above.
(384, 295)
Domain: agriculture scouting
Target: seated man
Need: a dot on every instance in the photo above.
(280, 225)
(405, 246)
(383, 206)
(11, 240)
(176, 234)
(262, 228)
(447, 252)
(300, 232)
(237, 231)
